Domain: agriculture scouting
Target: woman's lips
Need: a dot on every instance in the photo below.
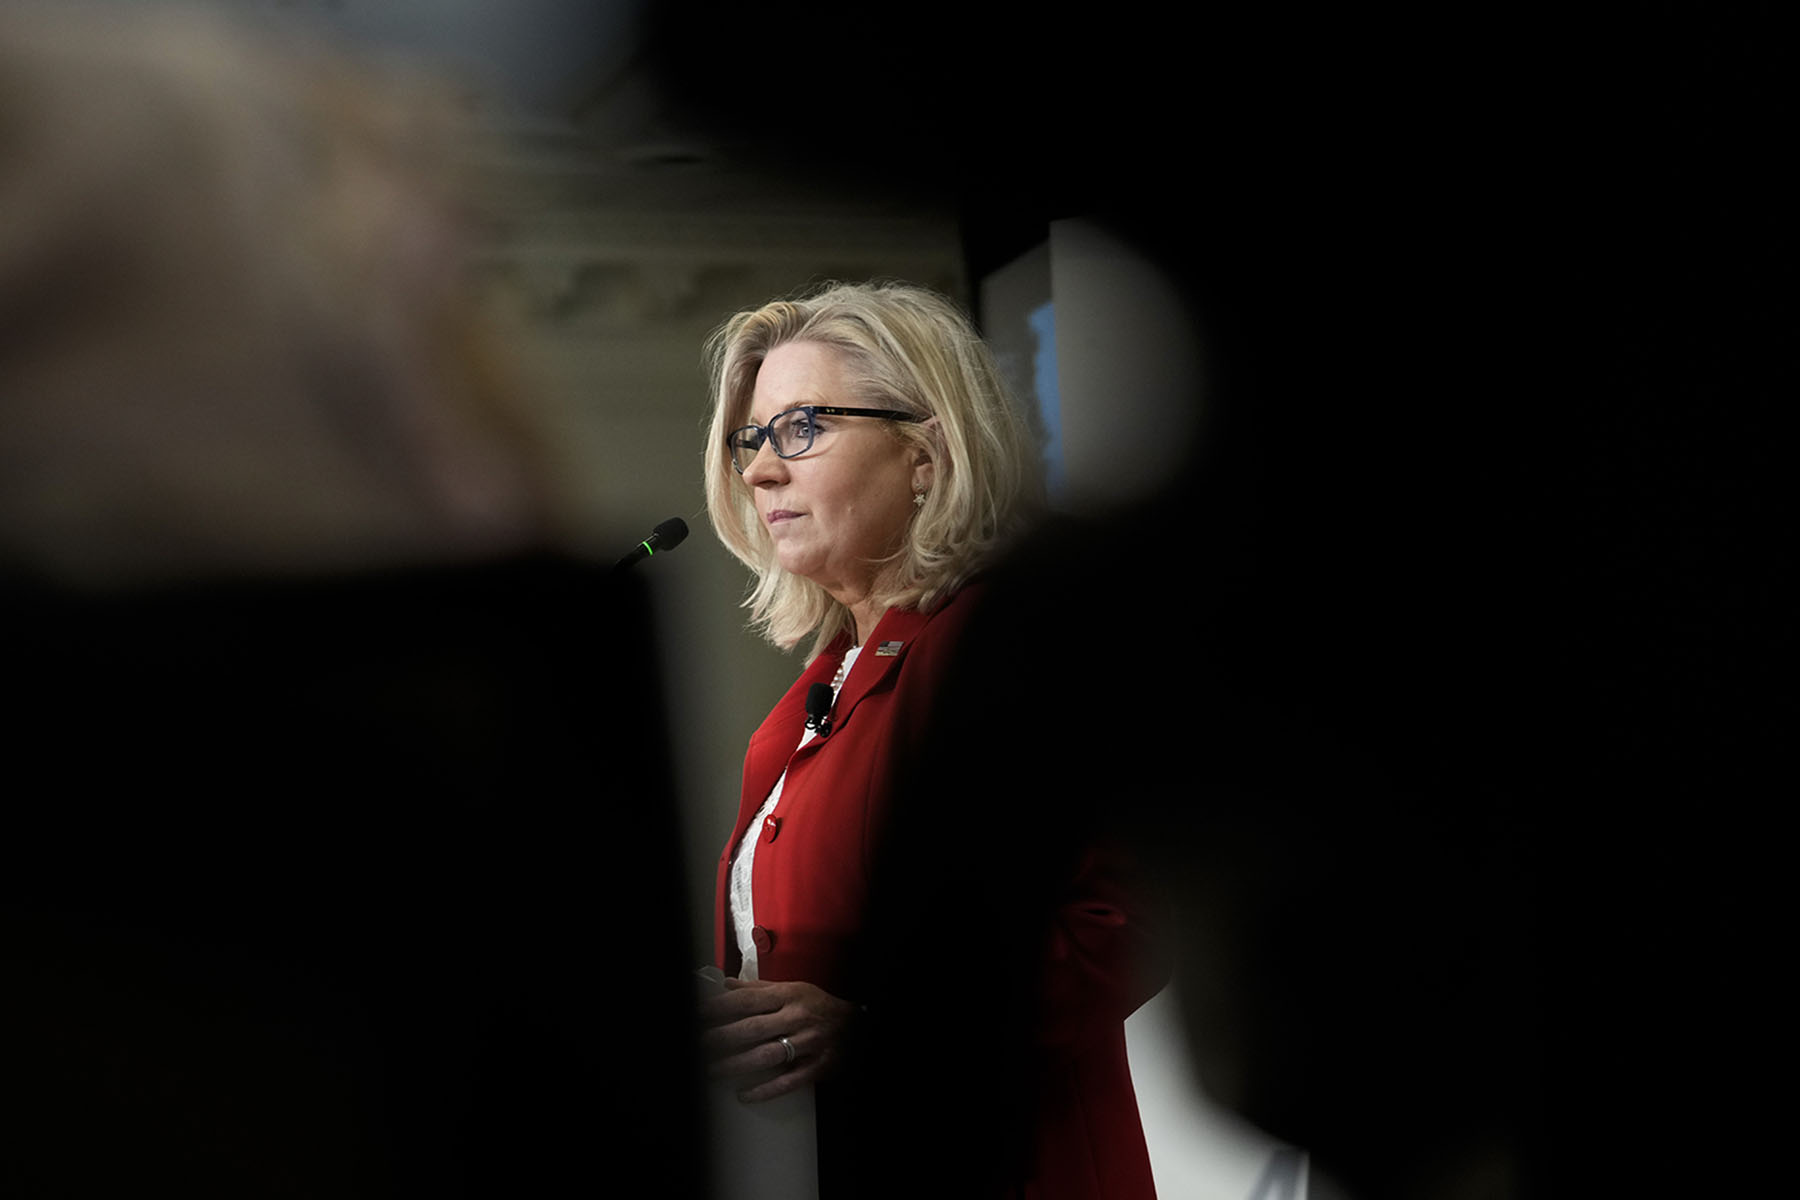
(776, 516)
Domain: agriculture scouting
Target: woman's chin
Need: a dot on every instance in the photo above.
(796, 561)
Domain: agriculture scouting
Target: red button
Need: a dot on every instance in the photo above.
(771, 827)
(762, 938)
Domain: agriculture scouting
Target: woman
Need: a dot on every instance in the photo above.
(864, 461)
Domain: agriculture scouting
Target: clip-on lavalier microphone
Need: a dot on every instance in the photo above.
(818, 708)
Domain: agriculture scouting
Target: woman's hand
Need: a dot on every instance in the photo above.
(743, 1029)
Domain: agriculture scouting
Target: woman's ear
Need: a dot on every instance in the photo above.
(934, 440)
(924, 457)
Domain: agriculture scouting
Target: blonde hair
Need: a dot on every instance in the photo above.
(904, 347)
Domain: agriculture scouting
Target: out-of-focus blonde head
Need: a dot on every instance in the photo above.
(234, 329)
(906, 348)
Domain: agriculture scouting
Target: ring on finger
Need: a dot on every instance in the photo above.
(787, 1048)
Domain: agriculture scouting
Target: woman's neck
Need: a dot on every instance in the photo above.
(864, 619)
(865, 613)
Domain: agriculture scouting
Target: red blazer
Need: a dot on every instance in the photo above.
(811, 877)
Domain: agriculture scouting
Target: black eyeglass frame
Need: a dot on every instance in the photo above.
(765, 434)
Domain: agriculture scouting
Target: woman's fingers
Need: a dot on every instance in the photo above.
(765, 1010)
(796, 1077)
(749, 1023)
(806, 1067)
(739, 1000)
(755, 1061)
(741, 1035)
(773, 1053)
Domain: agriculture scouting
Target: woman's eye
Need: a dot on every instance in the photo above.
(802, 428)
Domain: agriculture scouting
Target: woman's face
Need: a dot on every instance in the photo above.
(841, 508)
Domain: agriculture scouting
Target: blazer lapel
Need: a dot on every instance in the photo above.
(772, 745)
(880, 658)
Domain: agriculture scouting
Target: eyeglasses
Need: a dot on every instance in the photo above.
(791, 433)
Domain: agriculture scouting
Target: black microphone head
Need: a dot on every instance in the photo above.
(670, 534)
(666, 536)
(818, 700)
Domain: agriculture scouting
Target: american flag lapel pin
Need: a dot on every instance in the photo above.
(888, 649)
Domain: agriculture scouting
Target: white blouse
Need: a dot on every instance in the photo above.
(743, 913)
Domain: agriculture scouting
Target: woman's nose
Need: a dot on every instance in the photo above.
(766, 467)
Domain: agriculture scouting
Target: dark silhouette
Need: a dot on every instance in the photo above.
(337, 798)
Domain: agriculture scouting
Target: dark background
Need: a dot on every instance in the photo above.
(1465, 616)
